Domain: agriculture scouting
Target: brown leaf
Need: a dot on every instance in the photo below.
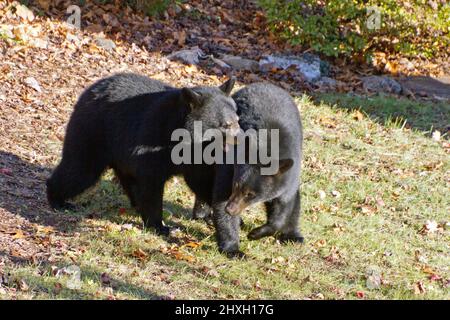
(192, 244)
(181, 256)
(357, 115)
(139, 254)
(19, 235)
(427, 269)
(327, 122)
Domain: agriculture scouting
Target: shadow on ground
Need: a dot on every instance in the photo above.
(57, 286)
(23, 193)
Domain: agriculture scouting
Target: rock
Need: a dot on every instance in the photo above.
(239, 63)
(106, 44)
(220, 63)
(310, 66)
(373, 278)
(189, 56)
(327, 83)
(381, 84)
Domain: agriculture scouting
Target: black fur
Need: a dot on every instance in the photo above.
(261, 106)
(125, 122)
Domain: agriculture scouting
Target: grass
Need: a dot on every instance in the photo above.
(369, 186)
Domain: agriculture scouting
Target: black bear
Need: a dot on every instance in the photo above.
(260, 106)
(125, 122)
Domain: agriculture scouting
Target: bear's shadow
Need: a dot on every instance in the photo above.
(23, 193)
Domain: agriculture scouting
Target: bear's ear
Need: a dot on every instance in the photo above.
(284, 165)
(194, 99)
(228, 86)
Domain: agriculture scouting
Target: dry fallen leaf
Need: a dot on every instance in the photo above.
(33, 83)
(181, 256)
(139, 254)
(23, 12)
(326, 122)
(192, 244)
(19, 235)
(357, 115)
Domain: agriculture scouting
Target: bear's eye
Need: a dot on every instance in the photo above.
(250, 194)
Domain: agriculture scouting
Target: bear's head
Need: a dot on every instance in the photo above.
(251, 187)
(213, 108)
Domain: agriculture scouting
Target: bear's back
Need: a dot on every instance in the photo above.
(119, 87)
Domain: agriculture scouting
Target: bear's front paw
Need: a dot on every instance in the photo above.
(231, 250)
(162, 230)
(235, 254)
(64, 206)
(295, 238)
(261, 232)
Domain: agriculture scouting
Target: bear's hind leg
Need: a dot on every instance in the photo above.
(290, 230)
(278, 213)
(128, 184)
(71, 178)
(149, 203)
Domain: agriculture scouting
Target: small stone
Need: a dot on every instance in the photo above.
(310, 66)
(188, 56)
(220, 63)
(381, 84)
(239, 63)
(105, 279)
(106, 44)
